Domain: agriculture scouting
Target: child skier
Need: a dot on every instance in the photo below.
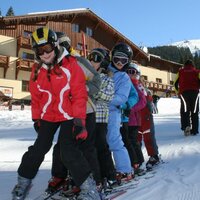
(147, 129)
(58, 101)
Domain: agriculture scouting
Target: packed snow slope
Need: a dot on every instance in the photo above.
(176, 179)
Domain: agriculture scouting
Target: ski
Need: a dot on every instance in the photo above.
(115, 195)
(109, 193)
(46, 196)
(64, 198)
(67, 195)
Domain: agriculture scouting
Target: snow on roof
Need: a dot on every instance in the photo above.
(153, 55)
(57, 11)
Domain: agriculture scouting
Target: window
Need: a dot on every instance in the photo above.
(145, 78)
(28, 56)
(75, 28)
(25, 86)
(89, 31)
(158, 80)
(79, 46)
(27, 34)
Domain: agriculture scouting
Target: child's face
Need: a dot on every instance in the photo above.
(132, 73)
(46, 53)
(96, 65)
(95, 59)
(120, 61)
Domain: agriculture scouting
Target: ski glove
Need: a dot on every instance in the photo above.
(79, 130)
(36, 125)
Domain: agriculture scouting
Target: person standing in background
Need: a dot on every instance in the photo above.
(155, 103)
(187, 84)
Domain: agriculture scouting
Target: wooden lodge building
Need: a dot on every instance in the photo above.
(86, 31)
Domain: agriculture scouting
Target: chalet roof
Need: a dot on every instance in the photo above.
(66, 15)
(162, 59)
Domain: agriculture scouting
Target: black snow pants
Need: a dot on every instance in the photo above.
(104, 155)
(189, 110)
(70, 154)
(87, 147)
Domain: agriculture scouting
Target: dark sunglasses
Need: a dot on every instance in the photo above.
(122, 60)
(48, 48)
(95, 57)
(131, 71)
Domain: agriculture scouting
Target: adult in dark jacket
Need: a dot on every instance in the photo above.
(155, 102)
(187, 85)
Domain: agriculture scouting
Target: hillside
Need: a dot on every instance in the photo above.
(179, 51)
(193, 45)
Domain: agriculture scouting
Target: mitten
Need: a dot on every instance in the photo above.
(79, 130)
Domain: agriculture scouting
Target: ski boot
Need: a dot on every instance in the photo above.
(187, 131)
(123, 177)
(153, 160)
(20, 191)
(53, 184)
(70, 189)
(138, 171)
(88, 190)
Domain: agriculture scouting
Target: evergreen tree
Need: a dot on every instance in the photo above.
(197, 60)
(172, 53)
(0, 13)
(10, 12)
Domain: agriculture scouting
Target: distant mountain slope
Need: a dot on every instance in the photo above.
(193, 45)
(172, 53)
(179, 51)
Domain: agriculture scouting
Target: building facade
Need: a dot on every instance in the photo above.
(86, 31)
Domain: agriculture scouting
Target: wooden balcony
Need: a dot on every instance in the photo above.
(4, 62)
(25, 65)
(159, 86)
(23, 42)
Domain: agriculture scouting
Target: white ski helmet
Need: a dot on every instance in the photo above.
(136, 68)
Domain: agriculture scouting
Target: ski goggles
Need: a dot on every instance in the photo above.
(95, 57)
(48, 48)
(131, 71)
(122, 60)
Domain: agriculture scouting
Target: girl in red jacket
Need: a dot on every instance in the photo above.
(58, 100)
(147, 131)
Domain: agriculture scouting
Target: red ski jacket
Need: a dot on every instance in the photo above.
(146, 113)
(61, 98)
(187, 79)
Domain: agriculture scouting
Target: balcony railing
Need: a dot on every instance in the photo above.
(23, 42)
(4, 62)
(24, 65)
(159, 86)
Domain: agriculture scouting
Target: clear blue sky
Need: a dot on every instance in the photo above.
(144, 22)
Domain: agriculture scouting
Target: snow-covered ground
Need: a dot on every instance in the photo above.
(177, 179)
